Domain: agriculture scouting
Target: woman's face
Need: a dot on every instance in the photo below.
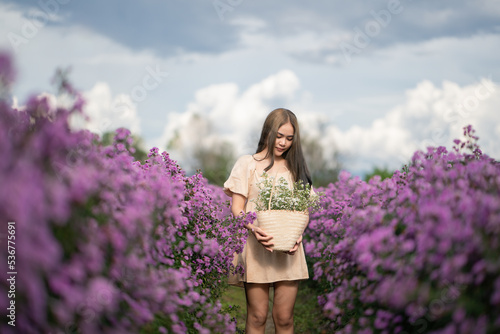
(284, 139)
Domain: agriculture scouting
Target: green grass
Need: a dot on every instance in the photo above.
(307, 314)
(235, 297)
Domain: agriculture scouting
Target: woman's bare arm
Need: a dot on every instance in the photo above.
(237, 208)
(238, 204)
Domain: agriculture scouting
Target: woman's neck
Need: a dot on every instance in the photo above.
(262, 155)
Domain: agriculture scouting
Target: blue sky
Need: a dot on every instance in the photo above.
(373, 80)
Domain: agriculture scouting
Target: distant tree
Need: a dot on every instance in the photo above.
(200, 149)
(140, 154)
(384, 173)
(215, 162)
(215, 156)
(323, 170)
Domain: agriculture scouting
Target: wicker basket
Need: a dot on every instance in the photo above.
(284, 226)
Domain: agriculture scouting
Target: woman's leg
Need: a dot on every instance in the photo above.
(285, 293)
(257, 306)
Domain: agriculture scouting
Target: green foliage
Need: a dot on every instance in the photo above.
(308, 316)
(215, 162)
(384, 173)
(323, 170)
(299, 198)
(234, 303)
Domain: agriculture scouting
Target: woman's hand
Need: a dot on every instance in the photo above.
(294, 249)
(262, 237)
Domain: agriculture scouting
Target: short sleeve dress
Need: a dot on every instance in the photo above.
(260, 265)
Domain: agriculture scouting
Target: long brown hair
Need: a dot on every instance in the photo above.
(293, 156)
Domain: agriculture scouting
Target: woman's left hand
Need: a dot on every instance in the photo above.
(294, 249)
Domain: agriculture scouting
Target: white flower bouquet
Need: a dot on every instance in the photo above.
(283, 211)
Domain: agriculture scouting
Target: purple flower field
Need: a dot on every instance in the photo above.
(107, 244)
(103, 243)
(415, 253)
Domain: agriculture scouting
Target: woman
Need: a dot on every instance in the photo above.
(279, 153)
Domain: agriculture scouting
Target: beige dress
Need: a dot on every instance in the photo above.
(261, 266)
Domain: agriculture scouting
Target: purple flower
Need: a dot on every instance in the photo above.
(425, 233)
(107, 242)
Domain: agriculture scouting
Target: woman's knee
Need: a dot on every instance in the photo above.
(283, 319)
(257, 317)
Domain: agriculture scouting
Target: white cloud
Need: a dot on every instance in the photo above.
(107, 112)
(98, 64)
(104, 111)
(223, 113)
(430, 116)
(91, 56)
(356, 96)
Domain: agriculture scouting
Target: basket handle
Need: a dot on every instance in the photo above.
(272, 190)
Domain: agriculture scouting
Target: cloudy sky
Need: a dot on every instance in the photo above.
(373, 80)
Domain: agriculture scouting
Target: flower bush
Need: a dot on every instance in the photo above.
(298, 198)
(105, 244)
(415, 253)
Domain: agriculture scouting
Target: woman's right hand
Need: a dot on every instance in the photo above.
(262, 237)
